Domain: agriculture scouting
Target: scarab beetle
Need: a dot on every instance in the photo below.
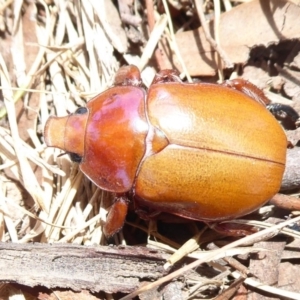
(201, 151)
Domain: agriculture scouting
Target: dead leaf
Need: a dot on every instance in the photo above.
(287, 279)
(244, 27)
(264, 266)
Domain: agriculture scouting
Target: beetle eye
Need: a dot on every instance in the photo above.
(75, 157)
(80, 111)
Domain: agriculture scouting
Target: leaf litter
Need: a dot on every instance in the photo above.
(57, 55)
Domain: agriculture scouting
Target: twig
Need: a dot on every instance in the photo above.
(96, 268)
(151, 23)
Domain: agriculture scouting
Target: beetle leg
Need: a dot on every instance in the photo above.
(248, 89)
(128, 75)
(146, 215)
(284, 113)
(166, 76)
(116, 216)
(144, 212)
(232, 229)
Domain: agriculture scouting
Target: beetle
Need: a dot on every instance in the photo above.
(202, 151)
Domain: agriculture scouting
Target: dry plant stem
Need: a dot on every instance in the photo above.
(215, 46)
(175, 46)
(228, 293)
(150, 14)
(227, 4)
(151, 22)
(65, 206)
(31, 74)
(188, 247)
(25, 212)
(287, 75)
(80, 228)
(200, 254)
(28, 178)
(279, 293)
(38, 228)
(263, 225)
(232, 261)
(98, 6)
(5, 5)
(6, 141)
(217, 281)
(5, 216)
(153, 41)
(209, 257)
(217, 10)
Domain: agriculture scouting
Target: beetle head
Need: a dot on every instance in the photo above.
(67, 133)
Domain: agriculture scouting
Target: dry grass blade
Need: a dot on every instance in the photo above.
(270, 289)
(28, 178)
(155, 36)
(175, 46)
